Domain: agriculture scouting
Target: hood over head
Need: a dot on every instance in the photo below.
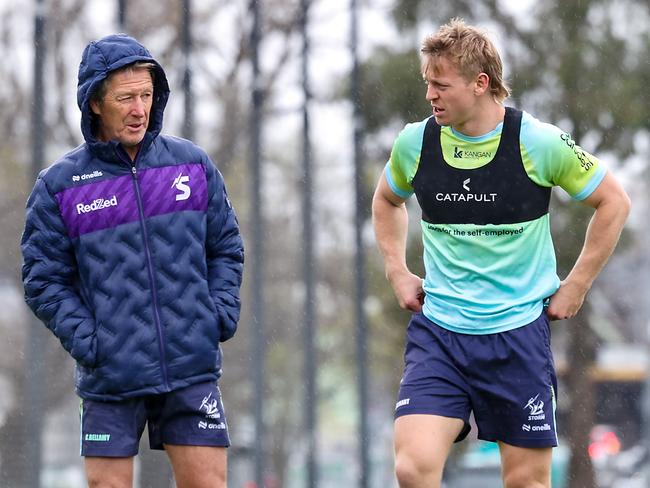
(98, 60)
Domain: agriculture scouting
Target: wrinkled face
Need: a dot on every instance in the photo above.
(452, 96)
(124, 110)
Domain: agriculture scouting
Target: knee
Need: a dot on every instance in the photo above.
(102, 482)
(405, 472)
(523, 478)
(94, 482)
(412, 471)
(108, 480)
(221, 481)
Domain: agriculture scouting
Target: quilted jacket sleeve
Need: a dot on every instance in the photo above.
(225, 254)
(50, 275)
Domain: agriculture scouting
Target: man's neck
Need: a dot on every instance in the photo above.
(131, 151)
(485, 119)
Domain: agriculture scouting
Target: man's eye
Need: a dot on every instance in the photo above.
(124, 99)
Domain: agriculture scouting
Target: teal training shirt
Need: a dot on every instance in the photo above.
(489, 278)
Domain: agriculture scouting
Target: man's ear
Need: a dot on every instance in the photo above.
(94, 107)
(481, 84)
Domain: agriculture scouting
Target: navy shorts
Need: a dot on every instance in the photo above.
(190, 416)
(507, 380)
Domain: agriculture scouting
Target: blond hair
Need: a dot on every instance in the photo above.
(470, 50)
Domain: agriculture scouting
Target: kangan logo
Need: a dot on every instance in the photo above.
(466, 184)
(181, 185)
(466, 154)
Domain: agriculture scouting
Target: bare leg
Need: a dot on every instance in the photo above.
(525, 467)
(198, 466)
(422, 444)
(109, 472)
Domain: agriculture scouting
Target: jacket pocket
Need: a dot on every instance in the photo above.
(84, 345)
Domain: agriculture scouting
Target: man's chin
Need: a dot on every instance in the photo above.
(132, 142)
(441, 119)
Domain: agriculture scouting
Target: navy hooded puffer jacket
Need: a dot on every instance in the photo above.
(134, 265)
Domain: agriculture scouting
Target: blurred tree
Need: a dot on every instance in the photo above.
(15, 143)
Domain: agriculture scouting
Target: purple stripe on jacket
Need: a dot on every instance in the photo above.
(112, 202)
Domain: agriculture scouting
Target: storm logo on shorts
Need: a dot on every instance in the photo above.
(211, 407)
(536, 407)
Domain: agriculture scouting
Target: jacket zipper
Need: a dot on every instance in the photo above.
(154, 294)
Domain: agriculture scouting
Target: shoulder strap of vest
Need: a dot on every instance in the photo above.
(431, 133)
(511, 125)
(509, 145)
(431, 141)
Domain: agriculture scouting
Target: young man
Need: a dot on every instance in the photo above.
(479, 339)
(133, 259)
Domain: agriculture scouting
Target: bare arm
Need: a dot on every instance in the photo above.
(390, 221)
(612, 206)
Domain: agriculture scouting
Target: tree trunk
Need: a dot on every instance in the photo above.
(580, 388)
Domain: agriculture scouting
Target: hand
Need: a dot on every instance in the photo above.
(567, 301)
(408, 290)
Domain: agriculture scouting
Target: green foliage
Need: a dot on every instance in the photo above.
(581, 67)
(408, 13)
(392, 89)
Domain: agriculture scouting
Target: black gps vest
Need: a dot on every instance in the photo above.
(499, 192)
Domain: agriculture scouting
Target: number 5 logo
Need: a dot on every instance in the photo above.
(181, 185)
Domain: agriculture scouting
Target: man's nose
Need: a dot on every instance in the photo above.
(138, 106)
(432, 93)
